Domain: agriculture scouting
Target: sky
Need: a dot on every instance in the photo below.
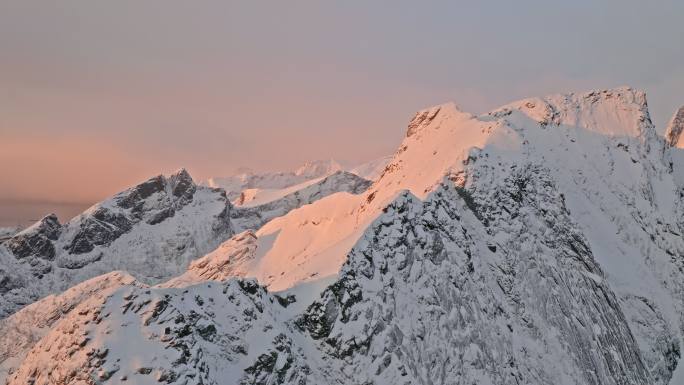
(96, 96)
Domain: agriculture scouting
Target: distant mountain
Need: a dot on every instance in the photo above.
(152, 230)
(262, 207)
(373, 169)
(258, 188)
(540, 243)
(235, 184)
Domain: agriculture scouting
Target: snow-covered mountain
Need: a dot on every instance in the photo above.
(235, 184)
(411, 297)
(153, 230)
(540, 243)
(261, 209)
(259, 188)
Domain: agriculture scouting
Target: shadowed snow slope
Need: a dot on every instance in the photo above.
(540, 243)
(225, 262)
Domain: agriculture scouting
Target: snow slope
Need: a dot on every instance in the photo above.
(22, 330)
(257, 196)
(227, 261)
(425, 298)
(373, 169)
(254, 214)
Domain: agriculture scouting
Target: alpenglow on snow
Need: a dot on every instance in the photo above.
(539, 243)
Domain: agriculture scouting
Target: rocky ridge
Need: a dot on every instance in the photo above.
(153, 230)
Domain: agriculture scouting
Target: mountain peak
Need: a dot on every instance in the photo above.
(446, 138)
(425, 117)
(48, 226)
(181, 183)
(49, 221)
(621, 111)
(181, 173)
(674, 129)
(37, 239)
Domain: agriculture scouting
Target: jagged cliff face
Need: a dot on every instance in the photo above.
(539, 243)
(428, 297)
(620, 183)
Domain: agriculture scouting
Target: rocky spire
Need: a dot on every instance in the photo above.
(675, 127)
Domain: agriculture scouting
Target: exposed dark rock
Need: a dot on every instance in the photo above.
(161, 215)
(105, 225)
(421, 119)
(134, 196)
(101, 228)
(37, 240)
(182, 185)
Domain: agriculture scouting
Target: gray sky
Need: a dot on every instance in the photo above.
(96, 95)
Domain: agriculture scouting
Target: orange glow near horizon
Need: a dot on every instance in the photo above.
(96, 97)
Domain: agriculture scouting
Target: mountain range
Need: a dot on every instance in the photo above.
(538, 243)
